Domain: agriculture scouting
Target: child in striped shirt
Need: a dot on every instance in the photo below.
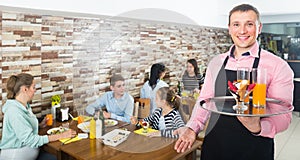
(165, 117)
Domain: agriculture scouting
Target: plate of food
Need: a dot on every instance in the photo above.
(110, 122)
(85, 126)
(56, 130)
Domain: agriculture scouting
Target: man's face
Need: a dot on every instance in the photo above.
(118, 88)
(244, 28)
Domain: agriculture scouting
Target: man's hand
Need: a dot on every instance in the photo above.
(186, 139)
(251, 123)
(106, 114)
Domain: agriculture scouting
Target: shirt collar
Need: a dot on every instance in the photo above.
(111, 95)
(252, 52)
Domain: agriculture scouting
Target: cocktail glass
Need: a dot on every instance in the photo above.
(240, 90)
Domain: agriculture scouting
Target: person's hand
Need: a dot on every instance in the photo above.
(196, 90)
(251, 123)
(43, 124)
(133, 120)
(186, 138)
(154, 134)
(68, 134)
(106, 114)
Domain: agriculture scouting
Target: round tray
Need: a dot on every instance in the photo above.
(223, 105)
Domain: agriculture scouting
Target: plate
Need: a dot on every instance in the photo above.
(56, 130)
(85, 126)
(115, 137)
(110, 122)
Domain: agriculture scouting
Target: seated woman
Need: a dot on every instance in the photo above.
(20, 139)
(191, 78)
(165, 118)
(155, 82)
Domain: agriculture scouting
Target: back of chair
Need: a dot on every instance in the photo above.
(142, 109)
(186, 108)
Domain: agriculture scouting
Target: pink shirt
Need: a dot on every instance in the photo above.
(279, 86)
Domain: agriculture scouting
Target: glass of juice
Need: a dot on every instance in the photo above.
(259, 77)
(80, 114)
(49, 119)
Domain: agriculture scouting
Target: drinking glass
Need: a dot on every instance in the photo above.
(80, 114)
(259, 77)
(241, 94)
(49, 119)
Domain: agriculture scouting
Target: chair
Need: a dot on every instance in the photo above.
(186, 108)
(142, 108)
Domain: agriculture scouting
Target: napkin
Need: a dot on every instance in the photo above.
(69, 140)
(86, 118)
(140, 131)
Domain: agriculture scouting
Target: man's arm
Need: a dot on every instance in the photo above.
(128, 112)
(281, 88)
(99, 103)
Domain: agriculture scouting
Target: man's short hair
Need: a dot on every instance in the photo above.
(116, 78)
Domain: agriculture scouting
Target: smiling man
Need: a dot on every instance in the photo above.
(119, 104)
(231, 137)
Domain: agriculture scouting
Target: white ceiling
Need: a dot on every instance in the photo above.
(201, 12)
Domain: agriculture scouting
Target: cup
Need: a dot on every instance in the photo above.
(49, 119)
(80, 114)
(259, 77)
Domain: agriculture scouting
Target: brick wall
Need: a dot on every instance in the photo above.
(74, 56)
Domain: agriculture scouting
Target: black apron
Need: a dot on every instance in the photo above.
(226, 137)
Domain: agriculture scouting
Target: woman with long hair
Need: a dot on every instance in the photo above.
(192, 79)
(158, 71)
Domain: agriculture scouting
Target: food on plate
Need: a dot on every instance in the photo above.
(57, 130)
(110, 122)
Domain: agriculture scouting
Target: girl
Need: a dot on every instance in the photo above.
(20, 139)
(192, 79)
(165, 117)
(149, 89)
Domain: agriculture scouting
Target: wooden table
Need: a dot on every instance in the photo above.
(136, 146)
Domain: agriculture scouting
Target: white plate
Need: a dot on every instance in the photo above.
(85, 126)
(115, 137)
(56, 130)
(110, 122)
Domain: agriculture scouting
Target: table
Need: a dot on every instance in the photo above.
(223, 105)
(136, 146)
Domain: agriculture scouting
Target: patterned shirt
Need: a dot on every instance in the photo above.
(173, 121)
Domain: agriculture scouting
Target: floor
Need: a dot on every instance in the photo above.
(287, 143)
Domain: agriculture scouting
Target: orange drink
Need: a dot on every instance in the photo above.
(49, 119)
(80, 119)
(259, 95)
(80, 114)
(259, 110)
(259, 77)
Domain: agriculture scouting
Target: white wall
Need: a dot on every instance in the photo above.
(202, 12)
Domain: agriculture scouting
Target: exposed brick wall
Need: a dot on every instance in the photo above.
(75, 57)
